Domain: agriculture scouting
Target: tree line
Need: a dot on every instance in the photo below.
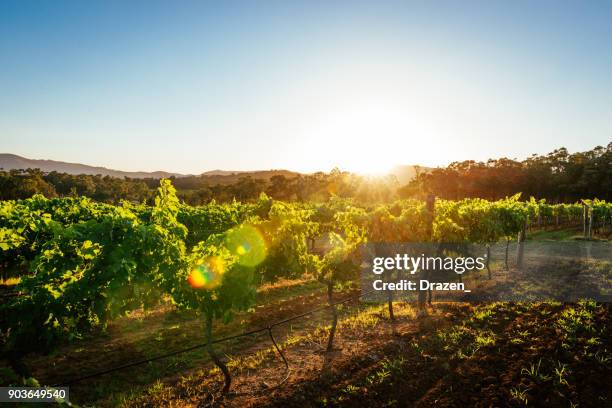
(557, 176)
(197, 190)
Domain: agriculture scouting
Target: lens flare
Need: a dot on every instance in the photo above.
(248, 244)
(207, 273)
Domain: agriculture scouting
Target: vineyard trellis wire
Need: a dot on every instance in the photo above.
(267, 328)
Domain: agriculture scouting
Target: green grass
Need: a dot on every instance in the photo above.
(556, 235)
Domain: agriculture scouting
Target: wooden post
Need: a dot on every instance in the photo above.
(506, 256)
(332, 306)
(390, 296)
(521, 246)
(422, 295)
(213, 355)
(584, 220)
(590, 223)
(488, 260)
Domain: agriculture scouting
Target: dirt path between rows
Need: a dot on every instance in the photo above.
(394, 364)
(160, 332)
(313, 372)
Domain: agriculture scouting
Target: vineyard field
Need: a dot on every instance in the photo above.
(260, 304)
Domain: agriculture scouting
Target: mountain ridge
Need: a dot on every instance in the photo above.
(10, 161)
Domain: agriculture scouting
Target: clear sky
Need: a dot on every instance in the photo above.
(194, 86)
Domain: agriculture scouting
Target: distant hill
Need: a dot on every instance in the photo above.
(220, 173)
(12, 161)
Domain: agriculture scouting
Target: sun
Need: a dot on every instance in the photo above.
(370, 167)
(368, 139)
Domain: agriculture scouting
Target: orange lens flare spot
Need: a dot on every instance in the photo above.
(196, 279)
(206, 274)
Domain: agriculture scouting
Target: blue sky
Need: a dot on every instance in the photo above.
(193, 86)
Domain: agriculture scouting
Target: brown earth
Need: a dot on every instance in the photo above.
(406, 364)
